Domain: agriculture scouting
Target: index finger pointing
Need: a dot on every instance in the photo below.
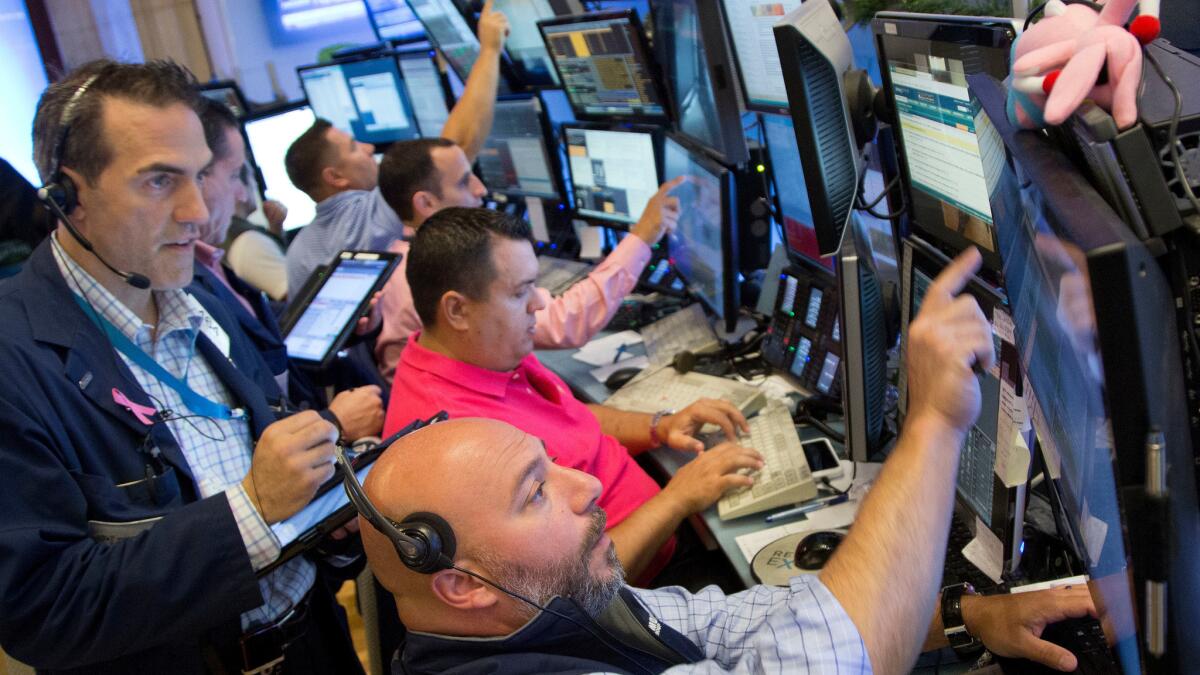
(954, 278)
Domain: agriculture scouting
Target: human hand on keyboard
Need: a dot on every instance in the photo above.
(704, 480)
(680, 430)
(1012, 624)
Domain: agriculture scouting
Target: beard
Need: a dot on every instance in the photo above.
(570, 578)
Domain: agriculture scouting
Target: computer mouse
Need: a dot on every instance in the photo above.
(621, 377)
(814, 550)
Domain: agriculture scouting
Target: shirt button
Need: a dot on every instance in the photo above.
(516, 376)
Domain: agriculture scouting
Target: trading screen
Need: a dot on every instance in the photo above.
(752, 27)
(695, 245)
(424, 85)
(364, 98)
(514, 160)
(614, 173)
(334, 307)
(604, 67)
(269, 139)
(449, 31)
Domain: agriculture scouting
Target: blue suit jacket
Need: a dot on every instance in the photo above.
(70, 455)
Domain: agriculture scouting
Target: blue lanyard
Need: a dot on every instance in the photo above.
(199, 405)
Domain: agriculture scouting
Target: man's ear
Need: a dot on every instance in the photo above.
(334, 178)
(82, 199)
(424, 204)
(462, 591)
(452, 310)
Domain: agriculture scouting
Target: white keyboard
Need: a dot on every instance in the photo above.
(687, 330)
(665, 389)
(558, 274)
(785, 478)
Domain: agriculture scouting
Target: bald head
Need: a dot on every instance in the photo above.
(519, 519)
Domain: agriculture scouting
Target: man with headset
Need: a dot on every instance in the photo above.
(143, 461)
(509, 570)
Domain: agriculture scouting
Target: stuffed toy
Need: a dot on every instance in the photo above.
(1078, 52)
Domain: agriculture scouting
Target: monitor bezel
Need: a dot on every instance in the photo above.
(556, 177)
(390, 56)
(656, 140)
(978, 31)
(652, 67)
(731, 298)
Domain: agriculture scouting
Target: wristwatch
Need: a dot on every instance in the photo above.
(655, 441)
(963, 643)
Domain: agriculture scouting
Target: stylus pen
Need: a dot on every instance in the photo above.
(808, 508)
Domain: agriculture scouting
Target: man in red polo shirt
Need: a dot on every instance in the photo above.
(473, 274)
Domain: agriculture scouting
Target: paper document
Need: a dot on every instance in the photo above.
(627, 361)
(604, 351)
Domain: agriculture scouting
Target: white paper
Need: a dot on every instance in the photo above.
(985, 551)
(1080, 580)
(1012, 452)
(590, 240)
(603, 351)
(627, 361)
(537, 219)
(829, 518)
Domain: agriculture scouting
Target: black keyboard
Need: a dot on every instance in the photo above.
(1082, 637)
(957, 569)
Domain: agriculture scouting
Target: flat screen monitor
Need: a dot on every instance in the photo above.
(449, 31)
(365, 98)
(394, 20)
(227, 92)
(605, 66)
(799, 236)
(925, 62)
(691, 44)
(702, 249)
(614, 173)
(423, 81)
(525, 47)
(269, 135)
(751, 24)
(515, 161)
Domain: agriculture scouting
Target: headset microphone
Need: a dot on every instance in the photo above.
(48, 195)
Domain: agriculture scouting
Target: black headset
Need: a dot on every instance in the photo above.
(60, 194)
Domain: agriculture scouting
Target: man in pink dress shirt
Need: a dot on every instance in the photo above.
(472, 272)
(419, 178)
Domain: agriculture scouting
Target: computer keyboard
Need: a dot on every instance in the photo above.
(957, 569)
(785, 478)
(687, 330)
(665, 389)
(1083, 637)
(558, 274)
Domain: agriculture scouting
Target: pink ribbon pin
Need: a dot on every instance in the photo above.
(142, 412)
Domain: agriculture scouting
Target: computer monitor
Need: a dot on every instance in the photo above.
(270, 134)
(791, 193)
(394, 20)
(1094, 321)
(815, 57)
(605, 65)
(423, 81)
(703, 247)
(227, 92)
(448, 30)
(750, 30)
(614, 173)
(366, 98)
(515, 161)
(925, 60)
(697, 65)
(525, 47)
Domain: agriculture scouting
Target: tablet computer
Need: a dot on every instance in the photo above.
(319, 328)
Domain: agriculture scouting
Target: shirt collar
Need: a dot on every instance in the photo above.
(176, 309)
(330, 204)
(208, 255)
(493, 383)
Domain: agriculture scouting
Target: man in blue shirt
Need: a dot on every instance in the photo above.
(143, 463)
(342, 177)
(535, 584)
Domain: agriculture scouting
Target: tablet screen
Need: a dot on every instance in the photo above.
(334, 307)
(317, 510)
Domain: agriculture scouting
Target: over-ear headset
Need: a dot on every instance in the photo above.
(60, 194)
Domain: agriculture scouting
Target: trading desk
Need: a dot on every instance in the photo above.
(577, 376)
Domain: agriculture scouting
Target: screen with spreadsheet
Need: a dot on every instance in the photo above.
(366, 99)
(605, 65)
(752, 30)
(614, 173)
(424, 85)
(447, 29)
(514, 160)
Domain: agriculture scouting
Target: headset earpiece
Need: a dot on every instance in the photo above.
(62, 190)
(435, 543)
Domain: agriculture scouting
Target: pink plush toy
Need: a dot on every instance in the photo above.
(1061, 60)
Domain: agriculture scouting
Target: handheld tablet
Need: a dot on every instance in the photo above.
(320, 327)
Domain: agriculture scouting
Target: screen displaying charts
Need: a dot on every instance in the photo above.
(605, 66)
(614, 172)
(752, 29)
(448, 29)
(366, 99)
(514, 160)
(270, 137)
(334, 307)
